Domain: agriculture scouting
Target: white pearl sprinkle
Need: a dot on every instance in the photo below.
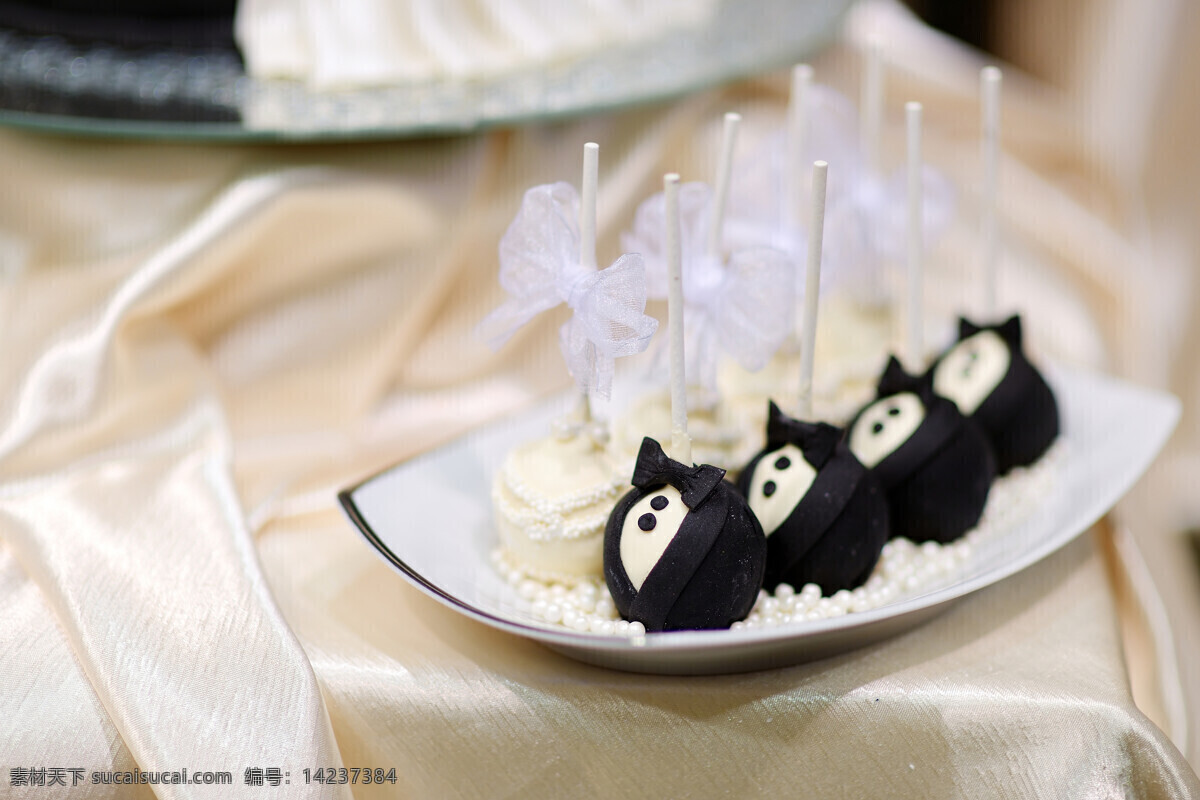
(904, 570)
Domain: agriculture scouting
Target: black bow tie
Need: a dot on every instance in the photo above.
(816, 440)
(654, 468)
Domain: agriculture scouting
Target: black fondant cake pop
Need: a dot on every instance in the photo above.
(682, 550)
(991, 381)
(935, 465)
(824, 515)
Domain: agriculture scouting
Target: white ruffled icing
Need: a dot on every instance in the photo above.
(725, 434)
(346, 44)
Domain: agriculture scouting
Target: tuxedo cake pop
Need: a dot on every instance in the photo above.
(935, 465)
(991, 381)
(682, 550)
(823, 513)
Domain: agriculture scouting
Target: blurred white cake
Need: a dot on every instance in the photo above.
(343, 44)
(724, 433)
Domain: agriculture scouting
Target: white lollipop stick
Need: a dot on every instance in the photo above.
(812, 288)
(990, 83)
(681, 443)
(913, 315)
(872, 102)
(797, 130)
(724, 169)
(587, 205)
(587, 233)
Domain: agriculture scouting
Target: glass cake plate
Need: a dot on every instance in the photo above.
(96, 88)
(430, 519)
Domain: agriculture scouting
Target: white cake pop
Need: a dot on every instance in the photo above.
(552, 496)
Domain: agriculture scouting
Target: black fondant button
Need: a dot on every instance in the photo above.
(647, 521)
(769, 488)
(659, 503)
(783, 462)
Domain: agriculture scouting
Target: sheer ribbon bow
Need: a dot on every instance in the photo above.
(866, 218)
(539, 268)
(742, 306)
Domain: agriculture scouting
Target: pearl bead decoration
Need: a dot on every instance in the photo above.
(905, 570)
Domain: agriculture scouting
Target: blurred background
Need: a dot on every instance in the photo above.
(1126, 72)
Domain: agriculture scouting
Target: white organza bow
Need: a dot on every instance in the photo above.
(867, 226)
(756, 199)
(742, 306)
(866, 212)
(539, 268)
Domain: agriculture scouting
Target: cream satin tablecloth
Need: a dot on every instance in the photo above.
(203, 343)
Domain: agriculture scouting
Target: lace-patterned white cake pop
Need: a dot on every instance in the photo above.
(553, 495)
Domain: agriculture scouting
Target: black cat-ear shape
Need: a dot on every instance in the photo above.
(654, 468)
(966, 328)
(774, 414)
(816, 440)
(894, 379)
(779, 427)
(1010, 331)
(924, 388)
